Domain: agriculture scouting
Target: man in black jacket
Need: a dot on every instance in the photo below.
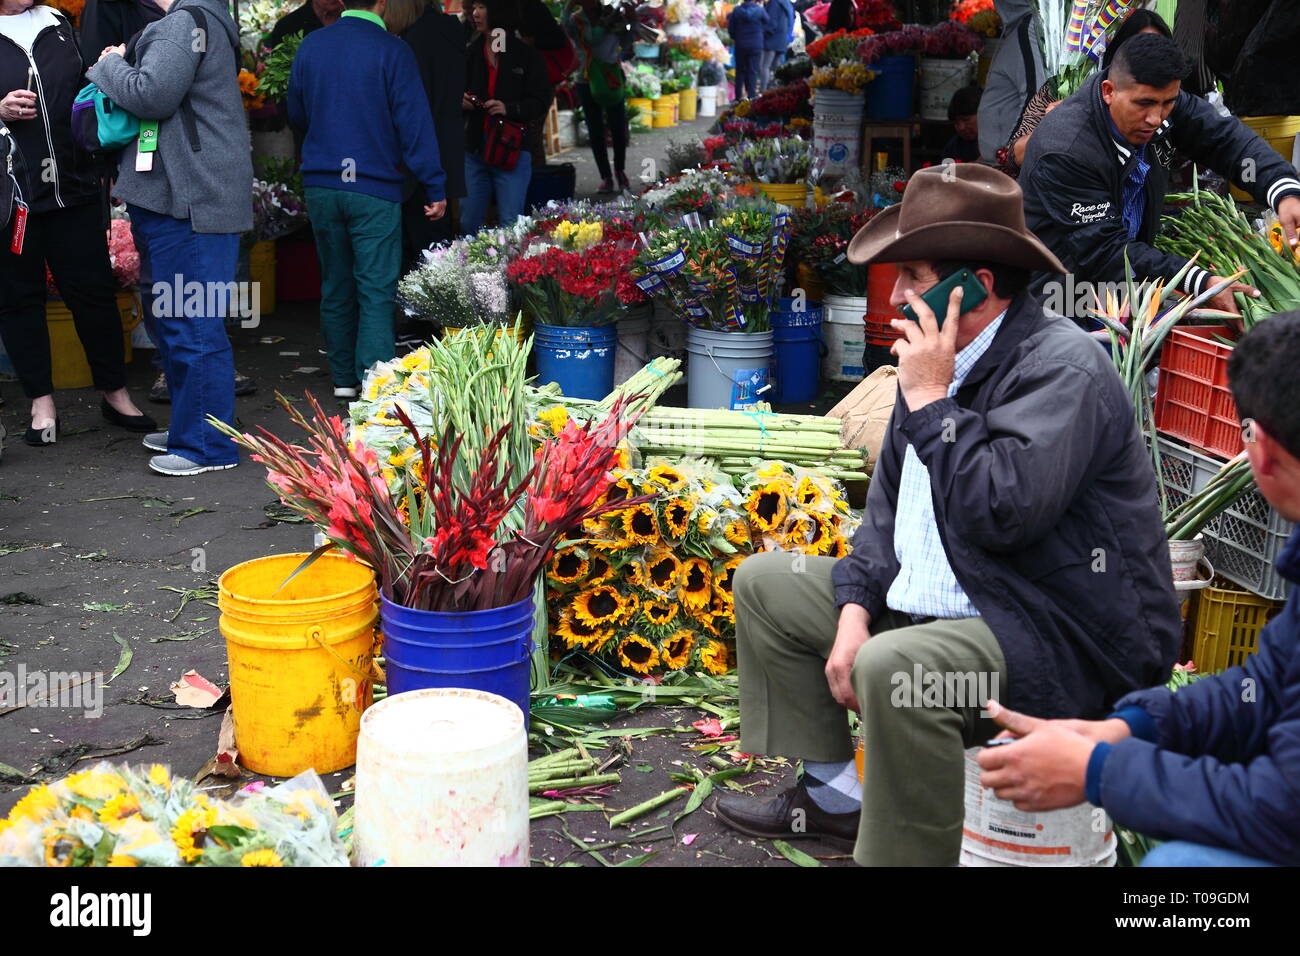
(106, 23)
(1094, 174)
(1011, 539)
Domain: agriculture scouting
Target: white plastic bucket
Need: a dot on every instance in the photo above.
(633, 343)
(568, 136)
(730, 370)
(708, 101)
(940, 79)
(837, 129)
(1184, 556)
(667, 335)
(997, 834)
(845, 337)
(442, 780)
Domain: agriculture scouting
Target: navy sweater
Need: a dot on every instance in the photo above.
(355, 91)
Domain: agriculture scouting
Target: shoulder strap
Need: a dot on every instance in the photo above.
(1027, 51)
(188, 119)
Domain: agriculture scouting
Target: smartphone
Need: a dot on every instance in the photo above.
(937, 298)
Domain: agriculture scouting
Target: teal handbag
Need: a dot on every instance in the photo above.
(99, 124)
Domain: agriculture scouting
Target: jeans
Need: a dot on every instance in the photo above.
(72, 242)
(747, 73)
(600, 118)
(187, 308)
(510, 187)
(766, 61)
(359, 244)
(1182, 853)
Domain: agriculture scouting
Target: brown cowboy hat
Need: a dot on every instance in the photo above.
(955, 211)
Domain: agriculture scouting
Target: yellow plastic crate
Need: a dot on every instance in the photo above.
(1228, 623)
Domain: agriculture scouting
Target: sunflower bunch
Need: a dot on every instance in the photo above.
(121, 816)
(796, 509)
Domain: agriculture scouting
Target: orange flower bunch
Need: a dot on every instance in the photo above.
(963, 10)
(72, 8)
(248, 83)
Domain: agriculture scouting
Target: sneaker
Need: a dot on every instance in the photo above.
(177, 466)
(348, 393)
(155, 441)
(244, 385)
(158, 390)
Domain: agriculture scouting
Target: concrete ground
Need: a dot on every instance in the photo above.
(101, 560)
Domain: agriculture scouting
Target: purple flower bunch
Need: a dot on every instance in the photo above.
(952, 40)
(906, 41)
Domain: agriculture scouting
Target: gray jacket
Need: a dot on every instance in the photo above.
(211, 187)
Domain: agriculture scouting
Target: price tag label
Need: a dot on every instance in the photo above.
(20, 228)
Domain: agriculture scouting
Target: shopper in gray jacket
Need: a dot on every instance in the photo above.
(190, 199)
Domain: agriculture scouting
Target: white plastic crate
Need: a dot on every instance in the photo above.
(1244, 541)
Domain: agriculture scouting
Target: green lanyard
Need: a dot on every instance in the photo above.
(148, 136)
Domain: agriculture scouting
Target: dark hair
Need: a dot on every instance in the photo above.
(1135, 23)
(1149, 60)
(360, 4)
(502, 14)
(1008, 281)
(1263, 380)
(965, 102)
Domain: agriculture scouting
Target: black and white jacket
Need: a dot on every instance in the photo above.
(1074, 172)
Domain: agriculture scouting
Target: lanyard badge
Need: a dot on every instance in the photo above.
(146, 146)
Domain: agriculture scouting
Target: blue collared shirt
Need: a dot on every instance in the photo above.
(926, 585)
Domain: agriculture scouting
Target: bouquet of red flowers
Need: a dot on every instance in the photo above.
(909, 40)
(579, 274)
(784, 101)
(952, 40)
(878, 15)
(820, 239)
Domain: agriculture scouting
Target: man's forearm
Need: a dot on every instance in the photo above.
(857, 615)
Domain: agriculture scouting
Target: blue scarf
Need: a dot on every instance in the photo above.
(1135, 194)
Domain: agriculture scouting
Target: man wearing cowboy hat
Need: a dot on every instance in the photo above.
(1011, 541)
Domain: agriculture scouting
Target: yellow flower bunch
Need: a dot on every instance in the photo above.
(851, 77)
(577, 236)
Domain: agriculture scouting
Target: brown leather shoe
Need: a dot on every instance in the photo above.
(790, 815)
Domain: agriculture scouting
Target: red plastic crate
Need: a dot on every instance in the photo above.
(1192, 398)
(878, 330)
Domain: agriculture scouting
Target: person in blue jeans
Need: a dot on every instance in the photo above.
(504, 77)
(359, 130)
(746, 25)
(1215, 767)
(188, 201)
(776, 39)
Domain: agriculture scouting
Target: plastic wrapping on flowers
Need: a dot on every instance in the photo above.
(122, 816)
(462, 283)
(648, 588)
(123, 258)
(784, 159)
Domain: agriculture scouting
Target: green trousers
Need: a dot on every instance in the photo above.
(921, 688)
(359, 244)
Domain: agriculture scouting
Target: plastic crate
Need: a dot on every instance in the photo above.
(1192, 398)
(878, 330)
(1228, 623)
(1243, 542)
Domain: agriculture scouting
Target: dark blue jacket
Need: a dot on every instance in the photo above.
(1046, 504)
(780, 25)
(355, 90)
(1218, 762)
(746, 24)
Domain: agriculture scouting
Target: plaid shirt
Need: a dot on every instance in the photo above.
(926, 586)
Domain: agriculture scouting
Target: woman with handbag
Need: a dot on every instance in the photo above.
(40, 74)
(506, 98)
(186, 180)
(596, 39)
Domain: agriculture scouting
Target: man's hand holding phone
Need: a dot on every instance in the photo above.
(927, 353)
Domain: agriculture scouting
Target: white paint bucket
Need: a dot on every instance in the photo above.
(845, 338)
(442, 780)
(997, 834)
(940, 79)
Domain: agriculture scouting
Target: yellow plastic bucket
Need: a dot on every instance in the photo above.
(641, 111)
(1279, 132)
(663, 118)
(669, 101)
(261, 269)
(521, 334)
(301, 660)
(68, 365)
(793, 195)
(686, 100)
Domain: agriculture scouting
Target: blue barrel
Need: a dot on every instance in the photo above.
(579, 360)
(475, 650)
(797, 342)
(890, 95)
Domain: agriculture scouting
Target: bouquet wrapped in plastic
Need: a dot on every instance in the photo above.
(122, 816)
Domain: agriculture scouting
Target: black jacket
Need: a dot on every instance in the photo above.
(60, 74)
(1075, 167)
(1045, 500)
(438, 42)
(110, 22)
(522, 85)
(303, 20)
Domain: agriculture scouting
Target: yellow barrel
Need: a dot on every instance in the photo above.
(261, 270)
(524, 329)
(793, 195)
(1279, 132)
(663, 118)
(668, 101)
(686, 105)
(68, 365)
(301, 660)
(640, 111)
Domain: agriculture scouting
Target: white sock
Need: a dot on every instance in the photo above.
(834, 786)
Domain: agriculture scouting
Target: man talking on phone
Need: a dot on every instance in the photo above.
(1011, 539)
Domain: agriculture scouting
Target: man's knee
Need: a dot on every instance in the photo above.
(747, 584)
(878, 664)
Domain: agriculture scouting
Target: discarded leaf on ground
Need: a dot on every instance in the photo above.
(182, 636)
(797, 857)
(698, 795)
(103, 606)
(123, 659)
(195, 690)
(712, 727)
(689, 838)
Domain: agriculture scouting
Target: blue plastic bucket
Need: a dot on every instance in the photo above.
(579, 360)
(890, 94)
(474, 650)
(797, 347)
